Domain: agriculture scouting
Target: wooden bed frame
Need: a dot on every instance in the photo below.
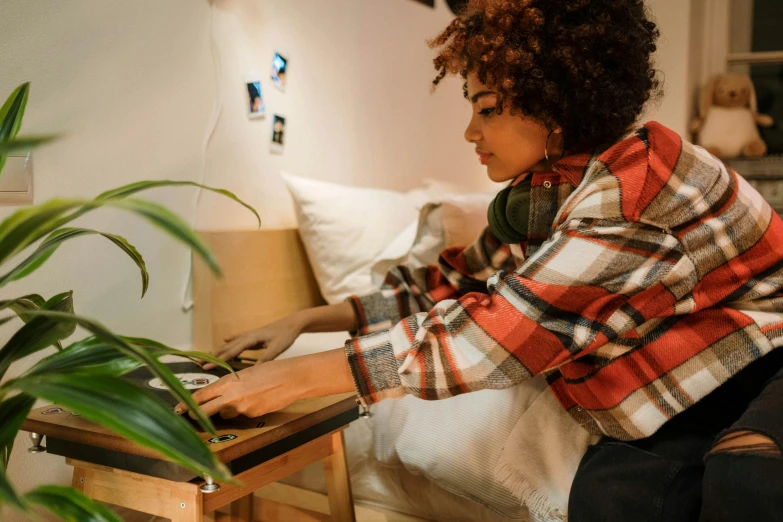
(266, 276)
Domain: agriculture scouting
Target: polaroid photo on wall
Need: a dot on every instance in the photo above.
(279, 69)
(278, 134)
(255, 96)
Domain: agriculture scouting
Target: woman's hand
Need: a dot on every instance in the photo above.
(271, 386)
(274, 338)
(251, 392)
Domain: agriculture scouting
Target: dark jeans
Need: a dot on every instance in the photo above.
(670, 477)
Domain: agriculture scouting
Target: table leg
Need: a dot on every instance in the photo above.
(177, 501)
(242, 509)
(79, 483)
(191, 513)
(338, 483)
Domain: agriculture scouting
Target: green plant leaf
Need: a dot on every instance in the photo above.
(161, 349)
(11, 114)
(131, 412)
(24, 303)
(133, 188)
(5, 319)
(94, 356)
(26, 226)
(40, 332)
(90, 356)
(56, 238)
(166, 220)
(23, 144)
(70, 505)
(7, 493)
(21, 304)
(13, 412)
(157, 368)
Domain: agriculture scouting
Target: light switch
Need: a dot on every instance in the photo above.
(16, 181)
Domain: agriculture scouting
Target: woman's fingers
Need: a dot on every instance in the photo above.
(203, 395)
(221, 405)
(268, 354)
(209, 366)
(215, 405)
(233, 349)
(252, 391)
(221, 353)
(229, 412)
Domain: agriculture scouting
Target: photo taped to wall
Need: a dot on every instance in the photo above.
(278, 133)
(279, 70)
(255, 96)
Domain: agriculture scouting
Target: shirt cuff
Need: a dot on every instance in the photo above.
(374, 367)
(371, 313)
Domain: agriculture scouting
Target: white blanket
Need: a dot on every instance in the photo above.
(514, 451)
(540, 457)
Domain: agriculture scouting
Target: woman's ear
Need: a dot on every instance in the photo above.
(707, 96)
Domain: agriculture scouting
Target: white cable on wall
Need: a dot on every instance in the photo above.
(217, 109)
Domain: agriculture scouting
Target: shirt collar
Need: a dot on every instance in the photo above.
(573, 166)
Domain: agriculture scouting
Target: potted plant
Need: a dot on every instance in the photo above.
(85, 376)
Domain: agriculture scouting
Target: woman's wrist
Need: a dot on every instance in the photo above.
(338, 317)
(320, 374)
(299, 321)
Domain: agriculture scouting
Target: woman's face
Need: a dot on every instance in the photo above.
(508, 145)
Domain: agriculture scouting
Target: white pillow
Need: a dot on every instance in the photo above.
(464, 217)
(433, 191)
(454, 220)
(344, 229)
(419, 244)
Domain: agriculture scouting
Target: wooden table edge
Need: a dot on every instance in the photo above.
(117, 443)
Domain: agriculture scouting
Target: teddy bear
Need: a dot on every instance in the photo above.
(728, 118)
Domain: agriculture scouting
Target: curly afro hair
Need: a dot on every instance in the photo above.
(583, 65)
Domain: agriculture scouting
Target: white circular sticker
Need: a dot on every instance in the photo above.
(191, 381)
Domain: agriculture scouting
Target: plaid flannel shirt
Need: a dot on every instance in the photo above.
(651, 275)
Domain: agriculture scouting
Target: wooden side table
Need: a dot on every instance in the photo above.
(259, 451)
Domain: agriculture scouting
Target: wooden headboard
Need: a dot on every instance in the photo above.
(266, 276)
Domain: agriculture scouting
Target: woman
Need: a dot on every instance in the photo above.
(634, 270)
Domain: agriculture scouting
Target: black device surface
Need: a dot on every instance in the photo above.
(171, 471)
(144, 378)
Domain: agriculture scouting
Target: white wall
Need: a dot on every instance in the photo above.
(131, 87)
(357, 106)
(673, 61)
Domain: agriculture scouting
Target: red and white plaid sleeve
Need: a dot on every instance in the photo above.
(406, 291)
(590, 283)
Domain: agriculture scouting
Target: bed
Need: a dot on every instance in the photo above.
(270, 273)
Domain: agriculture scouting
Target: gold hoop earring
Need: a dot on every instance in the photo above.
(546, 147)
